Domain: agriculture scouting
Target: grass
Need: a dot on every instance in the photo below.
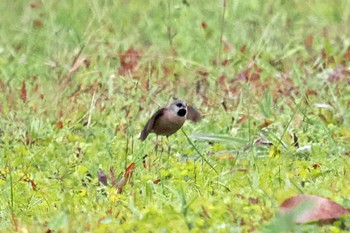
(79, 80)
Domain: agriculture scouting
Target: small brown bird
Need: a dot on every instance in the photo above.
(166, 121)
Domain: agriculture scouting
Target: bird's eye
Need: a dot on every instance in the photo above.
(179, 105)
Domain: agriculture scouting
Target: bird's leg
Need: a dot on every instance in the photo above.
(156, 147)
(169, 146)
(161, 152)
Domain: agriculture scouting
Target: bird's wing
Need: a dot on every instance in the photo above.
(193, 114)
(149, 125)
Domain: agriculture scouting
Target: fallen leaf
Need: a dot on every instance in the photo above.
(265, 124)
(23, 92)
(129, 171)
(308, 208)
(31, 182)
(242, 119)
(59, 124)
(156, 181)
(35, 4)
(251, 73)
(308, 42)
(346, 56)
(128, 61)
(225, 62)
(127, 175)
(311, 92)
(28, 138)
(37, 24)
(253, 200)
(243, 49)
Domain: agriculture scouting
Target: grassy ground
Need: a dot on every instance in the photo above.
(79, 79)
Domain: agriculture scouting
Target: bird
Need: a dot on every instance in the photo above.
(167, 121)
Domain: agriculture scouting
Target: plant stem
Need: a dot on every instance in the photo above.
(195, 148)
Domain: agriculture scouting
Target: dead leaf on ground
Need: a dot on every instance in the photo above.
(309, 208)
(156, 181)
(31, 182)
(308, 42)
(346, 56)
(242, 119)
(127, 176)
(128, 61)
(243, 49)
(253, 200)
(59, 124)
(23, 92)
(37, 24)
(265, 124)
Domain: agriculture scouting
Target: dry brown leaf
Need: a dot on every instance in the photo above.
(33, 184)
(59, 124)
(129, 171)
(128, 61)
(308, 42)
(127, 176)
(242, 119)
(156, 181)
(253, 200)
(243, 49)
(346, 56)
(37, 24)
(23, 92)
(310, 208)
(265, 124)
